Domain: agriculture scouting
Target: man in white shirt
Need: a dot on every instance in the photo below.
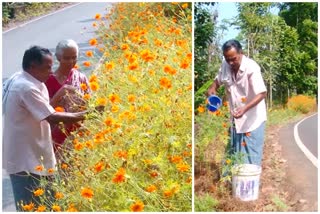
(246, 92)
(26, 131)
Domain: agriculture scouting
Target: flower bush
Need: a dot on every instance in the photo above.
(302, 103)
(134, 153)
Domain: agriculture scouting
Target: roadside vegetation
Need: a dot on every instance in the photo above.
(289, 98)
(136, 153)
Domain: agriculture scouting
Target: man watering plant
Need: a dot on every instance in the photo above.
(246, 92)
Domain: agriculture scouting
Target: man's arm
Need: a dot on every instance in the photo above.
(213, 88)
(66, 117)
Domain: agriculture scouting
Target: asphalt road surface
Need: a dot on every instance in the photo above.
(74, 22)
(308, 133)
(302, 175)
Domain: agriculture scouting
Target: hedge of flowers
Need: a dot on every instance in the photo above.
(134, 154)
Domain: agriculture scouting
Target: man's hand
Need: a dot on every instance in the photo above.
(213, 88)
(239, 112)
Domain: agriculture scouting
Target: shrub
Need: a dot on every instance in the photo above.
(302, 103)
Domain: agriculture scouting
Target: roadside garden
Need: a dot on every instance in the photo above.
(136, 153)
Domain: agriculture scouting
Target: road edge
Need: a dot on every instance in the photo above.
(302, 147)
(40, 17)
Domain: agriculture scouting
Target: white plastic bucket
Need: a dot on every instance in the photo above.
(246, 181)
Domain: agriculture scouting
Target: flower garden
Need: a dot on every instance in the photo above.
(136, 153)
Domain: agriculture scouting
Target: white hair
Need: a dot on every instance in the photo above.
(64, 44)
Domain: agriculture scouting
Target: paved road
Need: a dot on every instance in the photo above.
(302, 175)
(308, 133)
(74, 23)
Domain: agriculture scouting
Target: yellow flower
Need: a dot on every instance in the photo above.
(133, 66)
(83, 86)
(109, 65)
(115, 108)
(93, 78)
(56, 208)
(102, 101)
(94, 86)
(201, 109)
(86, 96)
(124, 47)
(41, 208)
(184, 6)
(183, 167)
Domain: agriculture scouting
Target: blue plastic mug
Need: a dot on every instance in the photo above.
(214, 103)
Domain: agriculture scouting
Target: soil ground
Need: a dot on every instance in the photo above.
(276, 192)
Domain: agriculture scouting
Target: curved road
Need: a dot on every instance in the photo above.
(73, 22)
(302, 174)
(308, 133)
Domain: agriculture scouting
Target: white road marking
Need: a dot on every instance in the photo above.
(303, 148)
(36, 19)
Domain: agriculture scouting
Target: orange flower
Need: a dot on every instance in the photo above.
(64, 166)
(97, 16)
(201, 109)
(86, 63)
(167, 193)
(137, 207)
(83, 86)
(93, 78)
(243, 143)
(154, 174)
(94, 86)
(119, 176)
(184, 64)
(184, 6)
(76, 66)
(38, 168)
(168, 69)
(51, 170)
(71, 208)
(243, 99)
(124, 47)
(133, 66)
(28, 207)
(102, 101)
(189, 56)
(175, 159)
(58, 195)
(109, 65)
(131, 98)
(165, 82)
(114, 98)
(99, 138)
(38, 192)
(78, 146)
(183, 167)
(86, 96)
(99, 167)
(121, 154)
(93, 42)
(56, 208)
(225, 103)
(94, 24)
(59, 109)
(109, 121)
(115, 108)
(151, 188)
(147, 56)
(89, 54)
(87, 193)
(41, 208)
